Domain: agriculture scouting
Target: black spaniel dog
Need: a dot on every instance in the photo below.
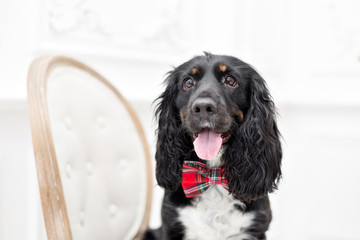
(218, 151)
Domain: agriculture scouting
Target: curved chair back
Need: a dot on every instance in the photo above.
(92, 158)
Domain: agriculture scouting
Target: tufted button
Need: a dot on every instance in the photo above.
(68, 169)
(123, 164)
(68, 123)
(101, 121)
(82, 218)
(89, 168)
(113, 209)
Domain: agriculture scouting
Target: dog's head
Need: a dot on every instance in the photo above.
(217, 102)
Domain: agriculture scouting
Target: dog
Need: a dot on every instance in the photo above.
(218, 151)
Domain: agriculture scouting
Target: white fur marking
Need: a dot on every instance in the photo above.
(213, 216)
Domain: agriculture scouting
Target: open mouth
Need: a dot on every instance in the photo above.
(226, 136)
(207, 143)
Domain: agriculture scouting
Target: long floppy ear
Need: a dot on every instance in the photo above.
(253, 159)
(172, 141)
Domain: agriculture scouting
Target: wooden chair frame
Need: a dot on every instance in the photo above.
(51, 191)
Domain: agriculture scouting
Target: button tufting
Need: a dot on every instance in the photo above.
(89, 168)
(122, 163)
(113, 210)
(82, 218)
(101, 121)
(68, 169)
(68, 123)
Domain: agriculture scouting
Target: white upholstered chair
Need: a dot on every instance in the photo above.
(92, 158)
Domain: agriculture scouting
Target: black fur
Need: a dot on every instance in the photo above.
(252, 158)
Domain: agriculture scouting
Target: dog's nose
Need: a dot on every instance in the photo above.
(204, 106)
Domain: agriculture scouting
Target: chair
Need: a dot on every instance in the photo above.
(92, 158)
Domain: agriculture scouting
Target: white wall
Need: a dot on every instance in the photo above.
(308, 51)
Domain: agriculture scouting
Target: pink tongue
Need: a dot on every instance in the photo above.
(207, 144)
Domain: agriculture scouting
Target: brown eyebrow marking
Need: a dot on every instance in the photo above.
(239, 114)
(222, 68)
(195, 70)
(182, 115)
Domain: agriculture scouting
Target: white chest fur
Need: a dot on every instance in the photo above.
(213, 215)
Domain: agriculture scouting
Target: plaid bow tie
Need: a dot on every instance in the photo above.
(197, 177)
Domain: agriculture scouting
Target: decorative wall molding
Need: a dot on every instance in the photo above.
(67, 17)
(344, 23)
(329, 35)
(116, 26)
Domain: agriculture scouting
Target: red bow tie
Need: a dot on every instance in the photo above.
(197, 177)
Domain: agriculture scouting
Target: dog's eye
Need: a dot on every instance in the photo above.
(188, 83)
(230, 81)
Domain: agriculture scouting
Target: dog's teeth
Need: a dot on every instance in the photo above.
(196, 134)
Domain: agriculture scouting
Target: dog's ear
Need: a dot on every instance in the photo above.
(253, 159)
(172, 142)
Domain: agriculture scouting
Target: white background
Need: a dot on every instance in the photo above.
(307, 50)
